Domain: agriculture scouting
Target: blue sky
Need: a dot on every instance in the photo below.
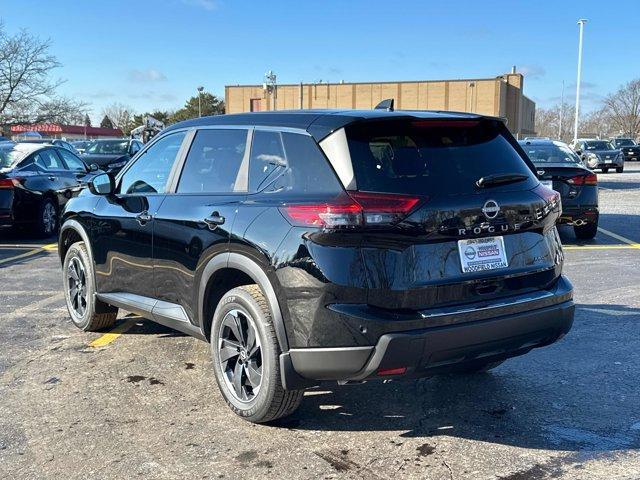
(153, 54)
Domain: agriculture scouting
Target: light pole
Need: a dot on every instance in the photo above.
(581, 23)
(200, 89)
(561, 112)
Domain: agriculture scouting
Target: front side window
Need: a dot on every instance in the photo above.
(73, 162)
(150, 172)
(213, 161)
(267, 158)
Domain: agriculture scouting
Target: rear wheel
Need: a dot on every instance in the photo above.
(47, 221)
(246, 355)
(619, 169)
(586, 232)
(86, 311)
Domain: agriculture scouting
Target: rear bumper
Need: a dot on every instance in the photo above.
(428, 351)
(579, 215)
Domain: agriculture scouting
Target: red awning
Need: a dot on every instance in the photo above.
(50, 128)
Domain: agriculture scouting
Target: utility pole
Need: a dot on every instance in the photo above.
(561, 112)
(200, 89)
(581, 23)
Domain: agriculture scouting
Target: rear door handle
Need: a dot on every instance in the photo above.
(214, 220)
(144, 217)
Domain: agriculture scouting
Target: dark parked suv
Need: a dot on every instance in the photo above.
(317, 246)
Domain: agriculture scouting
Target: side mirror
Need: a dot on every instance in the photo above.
(102, 184)
(94, 167)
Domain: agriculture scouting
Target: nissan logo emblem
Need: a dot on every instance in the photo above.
(491, 209)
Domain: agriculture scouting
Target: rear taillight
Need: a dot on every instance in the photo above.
(355, 210)
(8, 183)
(590, 179)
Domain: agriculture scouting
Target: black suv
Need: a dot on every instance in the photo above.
(629, 148)
(317, 246)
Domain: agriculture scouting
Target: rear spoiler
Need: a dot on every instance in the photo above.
(388, 105)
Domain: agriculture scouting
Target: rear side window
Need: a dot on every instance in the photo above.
(213, 161)
(431, 157)
(48, 160)
(300, 168)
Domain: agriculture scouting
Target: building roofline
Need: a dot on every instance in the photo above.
(376, 83)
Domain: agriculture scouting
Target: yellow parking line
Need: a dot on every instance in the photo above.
(109, 337)
(620, 238)
(45, 248)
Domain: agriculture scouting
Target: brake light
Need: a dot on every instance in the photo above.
(445, 123)
(8, 183)
(590, 179)
(358, 209)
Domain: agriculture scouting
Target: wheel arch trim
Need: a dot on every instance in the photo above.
(80, 230)
(256, 272)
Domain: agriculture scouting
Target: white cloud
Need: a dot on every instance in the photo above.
(532, 71)
(148, 75)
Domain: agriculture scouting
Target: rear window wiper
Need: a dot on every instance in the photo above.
(500, 179)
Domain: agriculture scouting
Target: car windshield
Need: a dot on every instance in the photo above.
(598, 145)
(624, 142)
(11, 154)
(109, 147)
(550, 154)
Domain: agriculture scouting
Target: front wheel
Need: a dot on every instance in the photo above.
(86, 311)
(586, 232)
(245, 354)
(619, 169)
(605, 170)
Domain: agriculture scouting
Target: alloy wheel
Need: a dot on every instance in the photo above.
(77, 281)
(49, 218)
(240, 355)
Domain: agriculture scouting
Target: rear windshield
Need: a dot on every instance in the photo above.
(431, 157)
(550, 154)
(11, 154)
(624, 142)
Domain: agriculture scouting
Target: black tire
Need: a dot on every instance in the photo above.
(267, 400)
(478, 367)
(619, 169)
(95, 315)
(586, 232)
(605, 170)
(47, 220)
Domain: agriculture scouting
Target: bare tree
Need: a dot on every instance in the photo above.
(120, 115)
(623, 108)
(548, 122)
(27, 91)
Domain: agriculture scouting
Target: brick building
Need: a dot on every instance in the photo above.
(501, 97)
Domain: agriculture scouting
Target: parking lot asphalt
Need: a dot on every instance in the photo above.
(141, 401)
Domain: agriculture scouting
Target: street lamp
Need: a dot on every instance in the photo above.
(200, 89)
(581, 22)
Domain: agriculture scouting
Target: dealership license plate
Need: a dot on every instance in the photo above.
(608, 161)
(547, 183)
(480, 254)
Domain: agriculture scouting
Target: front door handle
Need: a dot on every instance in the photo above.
(144, 217)
(214, 220)
(51, 177)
